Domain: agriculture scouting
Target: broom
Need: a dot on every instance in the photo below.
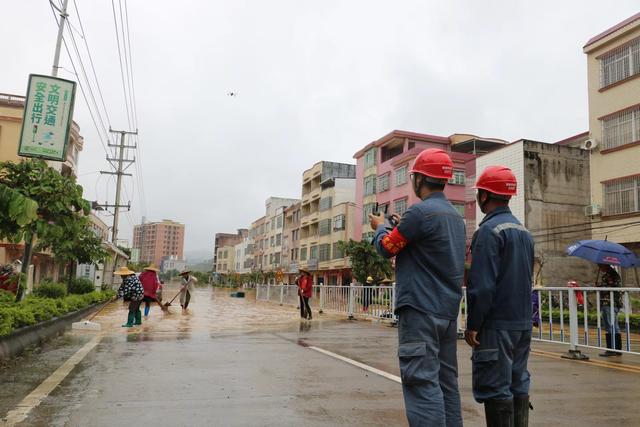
(88, 325)
(167, 304)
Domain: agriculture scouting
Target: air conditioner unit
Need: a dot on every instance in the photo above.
(589, 144)
(592, 210)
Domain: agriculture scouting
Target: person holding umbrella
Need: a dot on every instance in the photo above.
(611, 279)
(151, 284)
(131, 290)
(187, 288)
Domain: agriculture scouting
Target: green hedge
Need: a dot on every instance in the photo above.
(50, 290)
(35, 309)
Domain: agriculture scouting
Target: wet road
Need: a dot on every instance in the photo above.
(235, 362)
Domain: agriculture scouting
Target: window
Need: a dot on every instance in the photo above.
(276, 258)
(383, 182)
(313, 252)
(337, 251)
(278, 239)
(303, 254)
(324, 227)
(272, 241)
(458, 178)
(295, 235)
(370, 158)
(621, 128)
(366, 210)
(279, 221)
(325, 204)
(622, 196)
(460, 208)
(369, 185)
(270, 258)
(387, 153)
(621, 63)
(368, 236)
(399, 206)
(338, 222)
(401, 176)
(324, 252)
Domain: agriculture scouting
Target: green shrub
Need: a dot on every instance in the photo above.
(50, 290)
(81, 285)
(6, 297)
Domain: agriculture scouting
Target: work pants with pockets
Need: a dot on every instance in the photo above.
(499, 364)
(427, 347)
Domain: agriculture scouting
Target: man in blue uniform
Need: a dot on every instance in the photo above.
(429, 245)
(499, 303)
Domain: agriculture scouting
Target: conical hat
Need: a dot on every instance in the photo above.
(152, 267)
(124, 271)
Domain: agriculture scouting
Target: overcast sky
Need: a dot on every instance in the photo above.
(315, 80)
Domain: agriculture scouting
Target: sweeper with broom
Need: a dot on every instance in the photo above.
(131, 290)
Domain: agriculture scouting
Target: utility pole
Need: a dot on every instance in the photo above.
(63, 19)
(119, 172)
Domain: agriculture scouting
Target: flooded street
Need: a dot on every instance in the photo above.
(238, 362)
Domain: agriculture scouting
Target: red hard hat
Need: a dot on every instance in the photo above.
(498, 180)
(435, 163)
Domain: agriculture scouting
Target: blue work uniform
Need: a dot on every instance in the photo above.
(429, 245)
(499, 306)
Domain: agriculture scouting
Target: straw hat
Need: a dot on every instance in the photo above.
(302, 270)
(124, 271)
(385, 281)
(152, 267)
(185, 272)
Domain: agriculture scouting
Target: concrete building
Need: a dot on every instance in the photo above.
(244, 256)
(328, 216)
(613, 68)
(226, 240)
(553, 192)
(225, 260)
(291, 242)
(157, 240)
(173, 263)
(382, 175)
(256, 235)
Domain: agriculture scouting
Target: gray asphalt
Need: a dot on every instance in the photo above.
(235, 362)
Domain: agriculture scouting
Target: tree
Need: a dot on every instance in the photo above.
(365, 261)
(59, 201)
(16, 211)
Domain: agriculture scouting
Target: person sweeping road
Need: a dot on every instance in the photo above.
(131, 290)
(151, 284)
(188, 284)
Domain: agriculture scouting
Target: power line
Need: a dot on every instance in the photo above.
(124, 86)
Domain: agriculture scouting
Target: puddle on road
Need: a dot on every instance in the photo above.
(211, 312)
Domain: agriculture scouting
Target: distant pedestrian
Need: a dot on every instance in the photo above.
(610, 279)
(367, 294)
(151, 284)
(499, 316)
(187, 288)
(131, 290)
(305, 285)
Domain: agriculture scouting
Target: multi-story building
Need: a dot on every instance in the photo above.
(328, 216)
(157, 240)
(257, 248)
(225, 263)
(382, 175)
(226, 240)
(244, 256)
(291, 242)
(553, 190)
(613, 69)
(271, 246)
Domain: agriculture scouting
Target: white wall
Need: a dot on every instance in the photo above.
(511, 156)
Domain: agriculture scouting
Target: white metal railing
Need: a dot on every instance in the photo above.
(364, 301)
(576, 316)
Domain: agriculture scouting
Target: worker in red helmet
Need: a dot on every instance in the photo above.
(499, 303)
(429, 245)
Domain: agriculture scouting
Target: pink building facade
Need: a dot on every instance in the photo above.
(382, 173)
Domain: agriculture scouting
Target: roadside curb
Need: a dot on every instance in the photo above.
(14, 344)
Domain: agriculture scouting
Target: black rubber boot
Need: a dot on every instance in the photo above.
(609, 353)
(499, 413)
(521, 411)
(618, 344)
